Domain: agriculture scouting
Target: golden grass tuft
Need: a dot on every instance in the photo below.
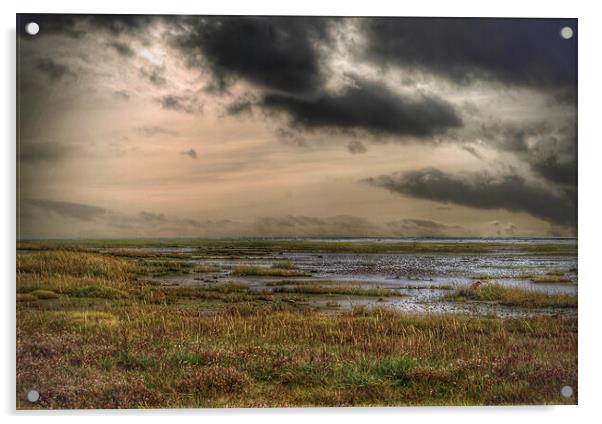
(338, 290)
(88, 319)
(75, 264)
(513, 296)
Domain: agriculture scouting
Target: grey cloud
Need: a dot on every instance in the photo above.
(154, 75)
(484, 191)
(508, 229)
(356, 147)
(472, 151)
(512, 136)
(556, 169)
(336, 226)
(290, 137)
(122, 48)
(424, 228)
(239, 107)
(554, 156)
(69, 209)
(191, 153)
(121, 94)
(550, 151)
(152, 131)
(55, 71)
(152, 217)
(180, 103)
(43, 151)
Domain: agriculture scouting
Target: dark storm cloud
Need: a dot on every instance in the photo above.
(68, 209)
(153, 131)
(74, 25)
(356, 147)
(53, 69)
(511, 136)
(272, 52)
(179, 103)
(516, 51)
(554, 157)
(122, 48)
(368, 106)
(554, 169)
(483, 191)
(191, 153)
(550, 151)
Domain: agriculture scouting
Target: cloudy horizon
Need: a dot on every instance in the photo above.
(217, 126)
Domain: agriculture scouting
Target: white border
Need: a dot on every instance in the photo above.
(590, 155)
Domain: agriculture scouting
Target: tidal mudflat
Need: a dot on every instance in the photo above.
(226, 323)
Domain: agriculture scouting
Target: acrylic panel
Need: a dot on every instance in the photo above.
(291, 211)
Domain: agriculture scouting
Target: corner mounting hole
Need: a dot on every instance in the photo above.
(566, 33)
(33, 396)
(566, 391)
(32, 28)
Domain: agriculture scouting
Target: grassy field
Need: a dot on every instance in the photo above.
(261, 246)
(91, 333)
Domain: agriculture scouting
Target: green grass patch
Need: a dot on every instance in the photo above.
(44, 294)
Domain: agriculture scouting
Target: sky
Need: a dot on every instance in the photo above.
(230, 126)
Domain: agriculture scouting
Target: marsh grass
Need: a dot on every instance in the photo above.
(301, 282)
(513, 296)
(139, 254)
(207, 268)
(259, 271)
(554, 277)
(284, 265)
(75, 264)
(338, 290)
(159, 267)
(103, 292)
(226, 346)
